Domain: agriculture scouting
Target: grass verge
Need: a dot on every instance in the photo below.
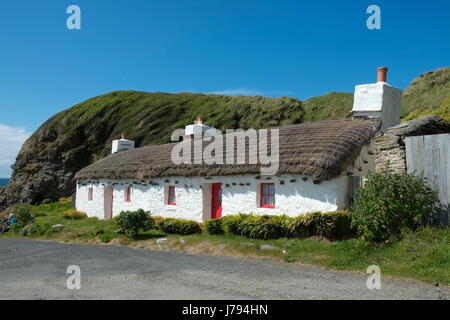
(422, 255)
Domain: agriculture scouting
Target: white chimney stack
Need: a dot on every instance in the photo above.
(122, 144)
(199, 129)
(378, 100)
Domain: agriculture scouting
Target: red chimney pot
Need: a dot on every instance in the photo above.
(199, 120)
(124, 136)
(382, 74)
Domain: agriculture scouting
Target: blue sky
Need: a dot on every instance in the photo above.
(271, 48)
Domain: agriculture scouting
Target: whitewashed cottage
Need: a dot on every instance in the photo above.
(320, 165)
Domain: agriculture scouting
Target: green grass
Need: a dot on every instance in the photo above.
(426, 95)
(333, 105)
(422, 255)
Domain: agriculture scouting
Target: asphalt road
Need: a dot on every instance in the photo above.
(37, 270)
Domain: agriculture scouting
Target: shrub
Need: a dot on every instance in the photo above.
(214, 226)
(302, 226)
(265, 226)
(389, 202)
(232, 224)
(63, 202)
(157, 220)
(22, 214)
(332, 225)
(107, 237)
(179, 226)
(74, 215)
(131, 222)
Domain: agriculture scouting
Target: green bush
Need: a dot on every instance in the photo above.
(107, 237)
(332, 225)
(389, 202)
(65, 202)
(22, 214)
(179, 226)
(232, 224)
(303, 226)
(214, 226)
(74, 214)
(156, 220)
(265, 226)
(131, 222)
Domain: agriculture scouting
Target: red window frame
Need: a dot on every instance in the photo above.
(171, 196)
(128, 194)
(90, 194)
(268, 195)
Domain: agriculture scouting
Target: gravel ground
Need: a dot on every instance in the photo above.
(37, 270)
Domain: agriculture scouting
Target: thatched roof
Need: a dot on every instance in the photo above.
(321, 150)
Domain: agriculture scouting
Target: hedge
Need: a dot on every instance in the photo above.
(214, 226)
(179, 226)
(265, 227)
(332, 225)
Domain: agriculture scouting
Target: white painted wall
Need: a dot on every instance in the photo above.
(240, 194)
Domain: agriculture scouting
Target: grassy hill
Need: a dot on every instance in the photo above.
(150, 118)
(428, 94)
(333, 105)
(78, 136)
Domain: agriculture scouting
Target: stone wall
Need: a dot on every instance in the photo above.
(389, 145)
(390, 153)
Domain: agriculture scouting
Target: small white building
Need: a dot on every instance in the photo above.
(320, 166)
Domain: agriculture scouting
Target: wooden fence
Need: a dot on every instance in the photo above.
(430, 154)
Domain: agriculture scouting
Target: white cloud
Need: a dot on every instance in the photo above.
(249, 92)
(11, 140)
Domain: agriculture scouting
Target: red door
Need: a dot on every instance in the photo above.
(216, 201)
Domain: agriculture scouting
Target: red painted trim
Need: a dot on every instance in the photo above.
(216, 203)
(91, 194)
(268, 194)
(128, 194)
(170, 200)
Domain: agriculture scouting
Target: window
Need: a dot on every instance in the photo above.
(90, 194)
(267, 195)
(128, 194)
(172, 200)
